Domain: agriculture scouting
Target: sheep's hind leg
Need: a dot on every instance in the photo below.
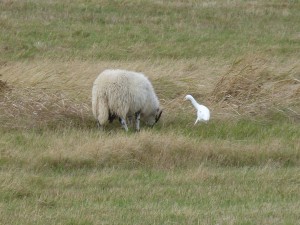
(100, 127)
(137, 120)
(123, 123)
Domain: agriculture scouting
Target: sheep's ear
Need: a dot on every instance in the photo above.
(158, 115)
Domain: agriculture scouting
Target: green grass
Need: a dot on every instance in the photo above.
(122, 30)
(243, 129)
(242, 167)
(199, 196)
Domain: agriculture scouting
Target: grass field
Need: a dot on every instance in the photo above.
(240, 58)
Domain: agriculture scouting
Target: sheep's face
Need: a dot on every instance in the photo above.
(153, 117)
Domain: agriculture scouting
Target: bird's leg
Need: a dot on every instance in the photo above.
(196, 121)
(137, 120)
(123, 122)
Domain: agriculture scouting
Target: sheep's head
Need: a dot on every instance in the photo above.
(154, 117)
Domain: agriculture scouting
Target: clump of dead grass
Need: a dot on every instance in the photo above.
(33, 107)
(249, 87)
(144, 149)
(149, 149)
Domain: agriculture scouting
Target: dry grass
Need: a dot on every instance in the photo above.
(47, 92)
(36, 108)
(151, 150)
(250, 87)
(3, 86)
(75, 150)
(57, 95)
(53, 93)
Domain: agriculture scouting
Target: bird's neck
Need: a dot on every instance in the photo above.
(194, 102)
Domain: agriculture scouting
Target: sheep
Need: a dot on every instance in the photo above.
(124, 94)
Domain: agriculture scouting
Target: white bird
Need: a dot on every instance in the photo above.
(203, 113)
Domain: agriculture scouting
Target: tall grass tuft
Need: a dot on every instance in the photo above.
(249, 87)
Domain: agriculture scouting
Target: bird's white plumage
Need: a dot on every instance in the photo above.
(203, 113)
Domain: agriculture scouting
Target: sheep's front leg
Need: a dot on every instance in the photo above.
(137, 120)
(123, 123)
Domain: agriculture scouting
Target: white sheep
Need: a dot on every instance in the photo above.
(123, 94)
